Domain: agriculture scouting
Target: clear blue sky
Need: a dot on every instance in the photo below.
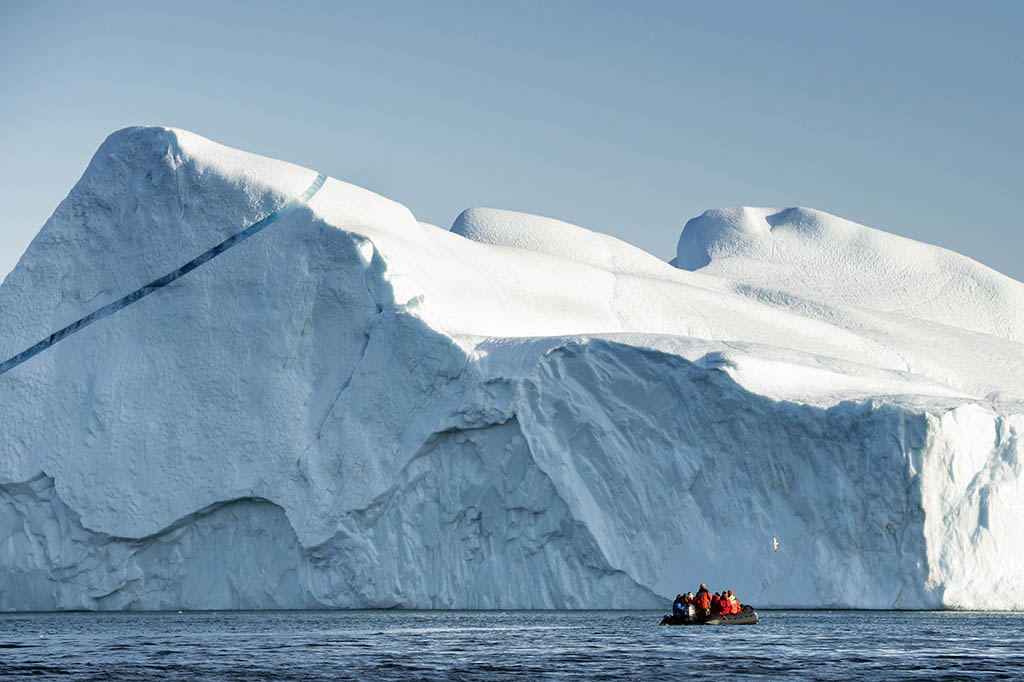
(627, 118)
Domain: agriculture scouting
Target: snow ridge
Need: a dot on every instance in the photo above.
(813, 255)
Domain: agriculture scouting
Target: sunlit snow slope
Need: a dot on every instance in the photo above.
(355, 409)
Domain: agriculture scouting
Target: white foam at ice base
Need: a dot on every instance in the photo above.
(519, 412)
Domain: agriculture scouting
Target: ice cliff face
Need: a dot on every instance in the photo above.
(353, 409)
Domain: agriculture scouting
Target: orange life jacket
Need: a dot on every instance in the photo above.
(734, 604)
(704, 599)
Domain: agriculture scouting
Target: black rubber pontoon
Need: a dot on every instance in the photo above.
(748, 616)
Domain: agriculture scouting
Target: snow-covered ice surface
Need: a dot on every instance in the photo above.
(356, 409)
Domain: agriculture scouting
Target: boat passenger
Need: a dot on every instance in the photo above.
(716, 604)
(734, 604)
(723, 603)
(678, 607)
(703, 599)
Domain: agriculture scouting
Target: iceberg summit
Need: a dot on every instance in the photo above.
(350, 408)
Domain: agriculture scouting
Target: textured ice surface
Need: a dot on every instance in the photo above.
(356, 409)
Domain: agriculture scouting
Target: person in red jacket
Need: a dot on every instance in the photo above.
(734, 604)
(703, 599)
(723, 604)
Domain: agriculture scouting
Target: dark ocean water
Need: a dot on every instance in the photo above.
(508, 645)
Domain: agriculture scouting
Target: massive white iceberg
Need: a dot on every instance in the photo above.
(354, 409)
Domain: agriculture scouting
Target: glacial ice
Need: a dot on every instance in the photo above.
(356, 409)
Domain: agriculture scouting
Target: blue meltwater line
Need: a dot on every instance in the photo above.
(160, 283)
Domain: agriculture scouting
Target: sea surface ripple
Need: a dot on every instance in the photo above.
(508, 645)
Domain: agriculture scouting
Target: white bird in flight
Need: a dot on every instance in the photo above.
(775, 543)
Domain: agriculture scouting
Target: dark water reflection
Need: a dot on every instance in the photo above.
(513, 645)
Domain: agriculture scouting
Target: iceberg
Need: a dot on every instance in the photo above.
(354, 409)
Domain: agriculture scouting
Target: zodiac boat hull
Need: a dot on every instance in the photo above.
(748, 616)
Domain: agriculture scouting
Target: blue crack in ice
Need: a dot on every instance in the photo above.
(160, 283)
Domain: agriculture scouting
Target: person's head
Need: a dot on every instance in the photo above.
(703, 586)
(730, 593)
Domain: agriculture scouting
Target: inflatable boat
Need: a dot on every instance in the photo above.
(748, 616)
